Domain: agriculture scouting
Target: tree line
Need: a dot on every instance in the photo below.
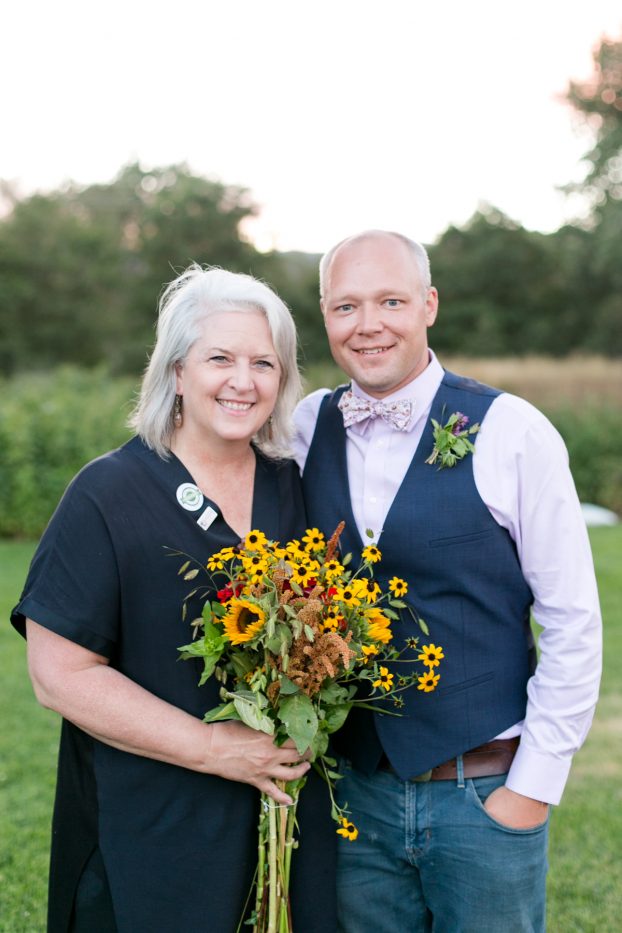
(81, 267)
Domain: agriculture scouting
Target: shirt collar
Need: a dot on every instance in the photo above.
(421, 390)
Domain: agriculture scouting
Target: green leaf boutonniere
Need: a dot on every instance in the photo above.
(451, 440)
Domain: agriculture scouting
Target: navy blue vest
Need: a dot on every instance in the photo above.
(464, 580)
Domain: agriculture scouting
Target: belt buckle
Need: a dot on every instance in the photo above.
(423, 778)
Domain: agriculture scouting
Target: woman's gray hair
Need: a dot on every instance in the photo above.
(419, 254)
(184, 305)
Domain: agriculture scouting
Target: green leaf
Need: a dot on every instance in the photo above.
(369, 533)
(309, 633)
(318, 745)
(191, 574)
(209, 667)
(222, 712)
(299, 718)
(333, 693)
(183, 568)
(423, 626)
(336, 716)
(251, 715)
(398, 604)
(287, 686)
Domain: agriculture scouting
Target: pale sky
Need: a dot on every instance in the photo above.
(338, 116)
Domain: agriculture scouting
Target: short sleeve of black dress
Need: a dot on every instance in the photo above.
(73, 584)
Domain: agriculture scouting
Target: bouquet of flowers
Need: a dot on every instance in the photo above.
(291, 636)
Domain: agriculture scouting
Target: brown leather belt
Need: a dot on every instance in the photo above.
(484, 761)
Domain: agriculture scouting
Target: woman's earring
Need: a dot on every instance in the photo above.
(178, 418)
(270, 431)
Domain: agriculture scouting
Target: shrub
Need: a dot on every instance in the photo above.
(50, 426)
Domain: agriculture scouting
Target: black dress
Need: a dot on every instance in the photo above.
(175, 850)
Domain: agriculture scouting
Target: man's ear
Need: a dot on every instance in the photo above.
(431, 306)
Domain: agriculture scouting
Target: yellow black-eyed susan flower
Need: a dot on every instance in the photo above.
(372, 554)
(431, 655)
(428, 681)
(347, 829)
(295, 550)
(332, 569)
(242, 621)
(347, 596)
(385, 680)
(369, 651)
(255, 563)
(365, 589)
(313, 539)
(255, 540)
(215, 562)
(398, 586)
(412, 642)
(302, 573)
(331, 619)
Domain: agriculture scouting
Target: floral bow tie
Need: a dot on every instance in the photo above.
(355, 409)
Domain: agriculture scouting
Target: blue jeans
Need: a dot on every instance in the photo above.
(429, 858)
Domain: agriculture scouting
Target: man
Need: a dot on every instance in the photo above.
(451, 799)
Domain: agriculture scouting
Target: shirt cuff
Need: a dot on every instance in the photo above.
(538, 775)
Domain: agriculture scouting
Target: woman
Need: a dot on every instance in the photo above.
(155, 817)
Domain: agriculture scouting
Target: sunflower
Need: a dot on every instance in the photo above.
(255, 541)
(428, 681)
(398, 587)
(314, 539)
(243, 620)
(385, 680)
(347, 829)
(371, 553)
(379, 626)
(431, 655)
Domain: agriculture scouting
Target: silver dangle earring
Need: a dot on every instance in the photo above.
(178, 418)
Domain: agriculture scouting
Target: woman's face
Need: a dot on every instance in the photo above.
(229, 380)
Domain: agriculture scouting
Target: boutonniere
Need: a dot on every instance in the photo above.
(451, 440)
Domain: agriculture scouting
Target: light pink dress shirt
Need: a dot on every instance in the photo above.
(522, 475)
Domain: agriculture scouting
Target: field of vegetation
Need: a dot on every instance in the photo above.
(585, 867)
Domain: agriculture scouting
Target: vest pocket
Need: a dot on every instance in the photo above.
(465, 684)
(461, 539)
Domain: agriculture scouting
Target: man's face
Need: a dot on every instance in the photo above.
(377, 314)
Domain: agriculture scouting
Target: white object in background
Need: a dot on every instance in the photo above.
(597, 515)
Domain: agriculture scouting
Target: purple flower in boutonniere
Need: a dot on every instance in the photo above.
(451, 440)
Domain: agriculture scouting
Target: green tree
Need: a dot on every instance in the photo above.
(498, 287)
(82, 268)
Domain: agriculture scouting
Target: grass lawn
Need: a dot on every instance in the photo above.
(586, 831)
